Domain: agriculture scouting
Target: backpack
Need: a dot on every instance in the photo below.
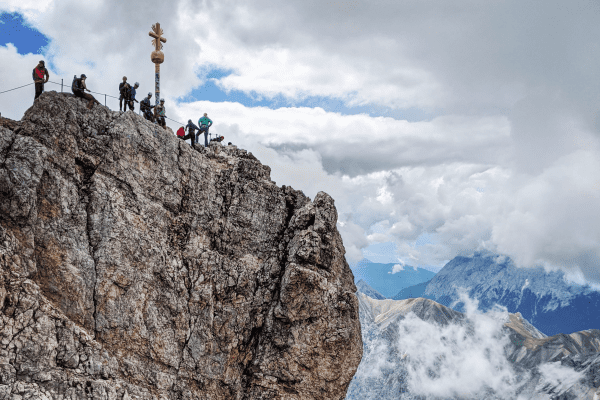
(76, 85)
(181, 132)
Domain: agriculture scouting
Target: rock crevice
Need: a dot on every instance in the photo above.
(134, 266)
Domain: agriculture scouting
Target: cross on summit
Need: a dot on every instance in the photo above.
(157, 33)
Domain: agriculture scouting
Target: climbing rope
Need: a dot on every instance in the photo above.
(10, 90)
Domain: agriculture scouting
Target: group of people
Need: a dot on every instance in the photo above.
(41, 76)
(160, 112)
(126, 98)
(127, 93)
(204, 122)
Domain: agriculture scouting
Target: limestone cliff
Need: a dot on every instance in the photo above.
(135, 267)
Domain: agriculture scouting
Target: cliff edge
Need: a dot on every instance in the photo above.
(135, 267)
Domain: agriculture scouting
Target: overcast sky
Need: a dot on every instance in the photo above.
(439, 128)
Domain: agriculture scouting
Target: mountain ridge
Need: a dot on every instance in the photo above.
(546, 299)
(134, 266)
(400, 335)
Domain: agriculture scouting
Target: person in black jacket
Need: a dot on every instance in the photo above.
(123, 91)
(78, 87)
(131, 96)
(39, 72)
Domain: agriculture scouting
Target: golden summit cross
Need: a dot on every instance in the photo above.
(157, 33)
(157, 56)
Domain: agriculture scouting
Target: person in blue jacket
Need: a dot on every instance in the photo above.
(204, 123)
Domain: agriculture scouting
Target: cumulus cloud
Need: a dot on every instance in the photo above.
(397, 268)
(506, 160)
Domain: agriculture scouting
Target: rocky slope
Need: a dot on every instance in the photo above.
(135, 267)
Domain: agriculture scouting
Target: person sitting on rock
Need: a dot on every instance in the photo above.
(131, 96)
(78, 87)
(123, 89)
(204, 123)
(39, 72)
(160, 114)
(146, 107)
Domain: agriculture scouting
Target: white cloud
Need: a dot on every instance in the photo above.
(464, 359)
(507, 162)
(13, 104)
(397, 268)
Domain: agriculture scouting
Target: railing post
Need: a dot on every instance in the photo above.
(61, 85)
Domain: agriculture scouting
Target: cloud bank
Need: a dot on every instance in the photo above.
(494, 143)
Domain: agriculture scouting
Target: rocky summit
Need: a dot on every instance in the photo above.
(133, 266)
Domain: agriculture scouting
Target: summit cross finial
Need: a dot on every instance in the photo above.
(157, 56)
(157, 33)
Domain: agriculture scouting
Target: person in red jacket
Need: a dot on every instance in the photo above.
(39, 72)
(183, 136)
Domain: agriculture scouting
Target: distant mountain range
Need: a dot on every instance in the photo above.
(546, 299)
(389, 279)
(420, 349)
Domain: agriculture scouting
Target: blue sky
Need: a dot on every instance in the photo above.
(439, 130)
(16, 31)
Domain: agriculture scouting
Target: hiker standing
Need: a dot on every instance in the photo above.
(146, 108)
(78, 87)
(123, 90)
(39, 72)
(192, 128)
(160, 113)
(204, 123)
(131, 96)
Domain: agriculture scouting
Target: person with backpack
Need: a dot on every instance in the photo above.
(160, 113)
(78, 87)
(123, 90)
(204, 123)
(39, 72)
(131, 96)
(146, 108)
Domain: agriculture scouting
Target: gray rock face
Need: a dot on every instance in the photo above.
(135, 267)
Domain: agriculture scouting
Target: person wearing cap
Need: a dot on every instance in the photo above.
(160, 113)
(39, 72)
(147, 107)
(131, 96)
(123, 89)
(78, 87)
(204, 123)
